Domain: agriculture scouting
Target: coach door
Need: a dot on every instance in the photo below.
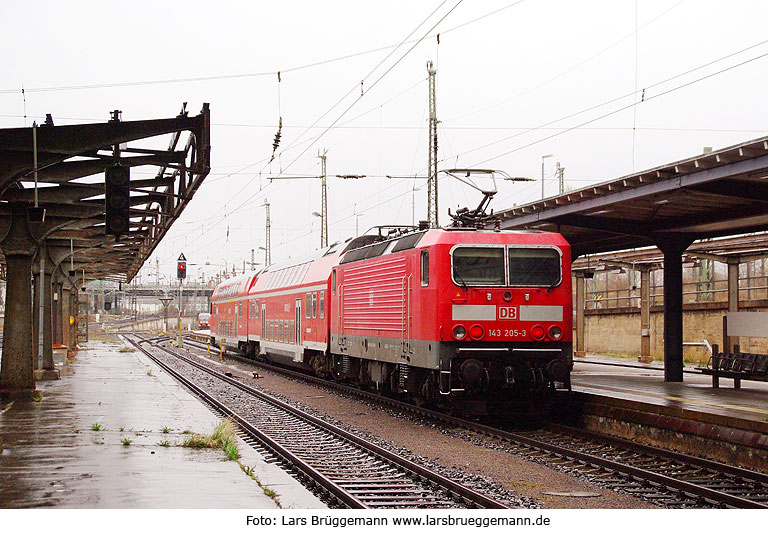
(296, 333)
(263, 322)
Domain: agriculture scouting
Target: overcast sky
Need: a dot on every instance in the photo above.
(515, 80)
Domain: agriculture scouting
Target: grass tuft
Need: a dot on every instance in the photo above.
(126, 442)
(126, 349)
(164, 444)
(97, 427)
(271, 494)
(230, 449)
(223, 437)
(166, 429)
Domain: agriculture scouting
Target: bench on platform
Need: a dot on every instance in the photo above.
(736, 366)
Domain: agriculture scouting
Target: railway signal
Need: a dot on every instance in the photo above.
(181, 267)
(117, 200)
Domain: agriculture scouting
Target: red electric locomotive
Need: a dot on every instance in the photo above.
(471, 317)
(474, 319)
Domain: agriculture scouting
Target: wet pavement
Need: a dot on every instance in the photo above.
(71, 449)
(644, 383)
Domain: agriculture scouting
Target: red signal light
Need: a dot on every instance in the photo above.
(537, 332)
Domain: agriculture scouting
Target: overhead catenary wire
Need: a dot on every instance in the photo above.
(386, 72)
(536, 128)
(568, 70)
(627, 95)
(571, 128)
(136, 83)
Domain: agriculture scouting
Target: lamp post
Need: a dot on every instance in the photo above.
(542, 172)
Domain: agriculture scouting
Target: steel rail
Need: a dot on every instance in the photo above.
(590, 459)
(448, 485)
(283, 452)
(708, 464)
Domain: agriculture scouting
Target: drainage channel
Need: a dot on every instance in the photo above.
(356, 472)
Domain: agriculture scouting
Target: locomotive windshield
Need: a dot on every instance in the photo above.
(532, 266)
(478, 266)
(525, 266)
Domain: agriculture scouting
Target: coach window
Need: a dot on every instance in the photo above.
(322, 304)
(308, 306)
(256, 309)
(333, 282)
(314, 304)
(425, 267)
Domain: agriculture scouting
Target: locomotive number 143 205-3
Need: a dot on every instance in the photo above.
(507, 333)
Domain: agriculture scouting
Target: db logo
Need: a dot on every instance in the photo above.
(507, 313)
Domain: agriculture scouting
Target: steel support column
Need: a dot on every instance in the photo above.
(580, 323)
(673, 247)
(645, 315)
(733, 300)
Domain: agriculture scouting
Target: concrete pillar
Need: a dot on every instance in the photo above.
(64, 316)
(645, 315)
(74, 304)
(56, 312)
(36, 299)
(42, 346)
(580, 345)
(733, 300)
(47, 324)
(673, 248)
(16, 369)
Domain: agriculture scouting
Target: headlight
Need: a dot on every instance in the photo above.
(537, 332)
(555, 332)
(459, 332)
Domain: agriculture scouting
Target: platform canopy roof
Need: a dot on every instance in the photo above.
(720, 193)
(70, 184)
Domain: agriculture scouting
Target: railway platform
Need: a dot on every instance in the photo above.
(619, 396)
(109, 435)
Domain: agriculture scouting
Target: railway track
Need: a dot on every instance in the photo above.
(355, 472)
(664, 477)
